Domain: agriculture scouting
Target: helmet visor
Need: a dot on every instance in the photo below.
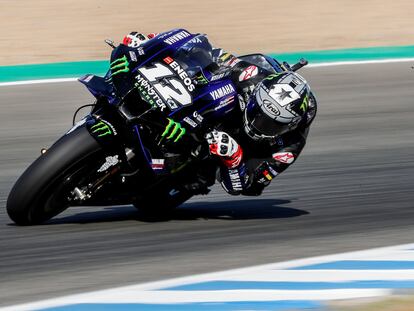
(262, 124)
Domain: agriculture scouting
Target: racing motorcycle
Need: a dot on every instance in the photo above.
(142, 141)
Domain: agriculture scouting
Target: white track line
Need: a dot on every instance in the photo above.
(170, 297)
(150, 291)
(322, 276)
(41, 81)
(362, 62)
(328, 64)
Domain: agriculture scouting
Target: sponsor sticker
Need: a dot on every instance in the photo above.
(248, 73)
(140, 50)
(198, 117)
(109, 162)
(133, 56)
(148, 92)
(152, 35)
(103, 128)
(271, 108)
(219, 76)
(177, 37)
(190, 122)
(267, 175)
(222, 91)
(225, 102)
(181, 73)
(173, 131)
(284, 157)
(273, 171)
(157, 164)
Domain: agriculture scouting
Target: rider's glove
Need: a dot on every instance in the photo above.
(135, 39)
(225, 147)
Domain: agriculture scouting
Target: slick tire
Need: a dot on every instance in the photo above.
(39, 193)
(161, 205)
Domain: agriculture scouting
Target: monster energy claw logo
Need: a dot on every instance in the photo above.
(119, 65)
(173, 129)
(272, 76)
(304, 104)
(102, 129)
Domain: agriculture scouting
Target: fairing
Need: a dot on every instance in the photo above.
(165, 73)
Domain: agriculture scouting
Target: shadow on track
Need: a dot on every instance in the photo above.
(227, 210)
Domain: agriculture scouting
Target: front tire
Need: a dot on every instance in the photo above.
(39, 193)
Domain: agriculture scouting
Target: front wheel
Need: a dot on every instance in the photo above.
(42, 191)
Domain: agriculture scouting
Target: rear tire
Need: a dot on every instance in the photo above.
(39, 193)
(161, 205)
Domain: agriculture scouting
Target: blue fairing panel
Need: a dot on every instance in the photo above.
(99, 87)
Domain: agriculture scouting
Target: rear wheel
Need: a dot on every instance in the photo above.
(161, 204)
(43, 189)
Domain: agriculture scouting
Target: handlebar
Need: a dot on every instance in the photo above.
(302, 63)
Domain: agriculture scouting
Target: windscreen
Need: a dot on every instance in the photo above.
(262, 61)
(195, 55)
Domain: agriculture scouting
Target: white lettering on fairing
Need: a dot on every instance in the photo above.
(177, 37)
(223, 91)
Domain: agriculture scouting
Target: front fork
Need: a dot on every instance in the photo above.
(119, 157)
(111, 168)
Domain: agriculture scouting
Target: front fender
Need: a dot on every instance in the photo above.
(104, 132)
(100, 87)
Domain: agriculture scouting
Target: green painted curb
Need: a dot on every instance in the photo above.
(99, 67)
(52, 70)
(348, 55)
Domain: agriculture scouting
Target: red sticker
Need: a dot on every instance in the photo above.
(168, 60)
(249, 72)
(127, 40)
(284, 157)
(152, 35)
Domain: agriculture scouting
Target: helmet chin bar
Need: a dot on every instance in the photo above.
(252, 133)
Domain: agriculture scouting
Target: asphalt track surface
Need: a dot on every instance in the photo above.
(351, 189)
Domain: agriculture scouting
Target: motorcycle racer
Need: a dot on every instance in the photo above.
(270, 128)
(271, 131)
(171, 115)
(267, 132)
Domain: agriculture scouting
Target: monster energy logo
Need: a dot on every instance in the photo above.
(119, 65)
(304, 104)
(201, 79)
(102, 128)
(272, 76)
(173, 129)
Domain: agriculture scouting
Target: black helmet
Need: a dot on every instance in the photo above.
(276, 106)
